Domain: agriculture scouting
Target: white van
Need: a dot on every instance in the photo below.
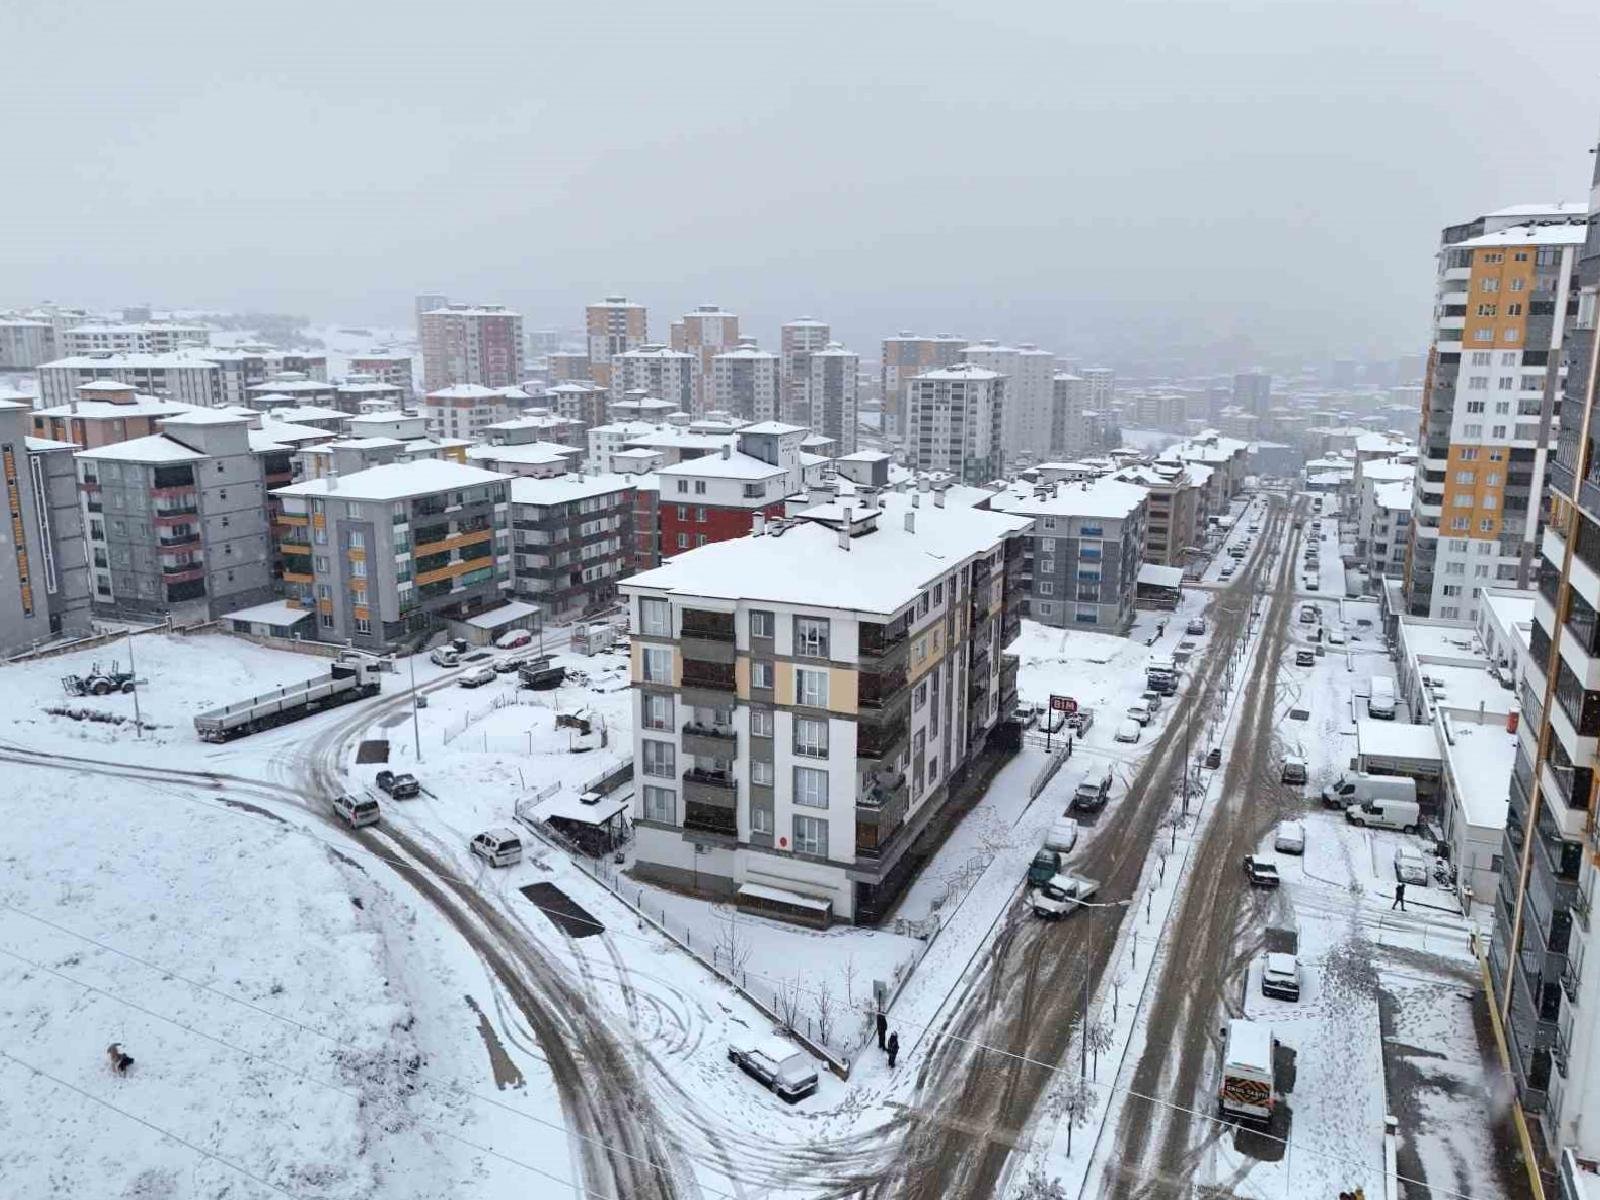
(1247, 1090)
(445, 656)
(1380, 700)
(1383, 813)
(1353, 787)
(498, 847)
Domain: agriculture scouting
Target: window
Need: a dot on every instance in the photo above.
(1491, 285)
(1047, 566)
(811, 688)
(1469, 454)
(1472, 431)
(700, 487)
(1474, 406)
(761, 675)
(1498, 431)
(1462, 501)
(811, 637)
(700, 516)
(938, 594)
(1486, 310)
(761, 624)
(358, 568)
(761, 820)
(1486, 525)
(1046, 608)
(919, 696)
(1045, 545)
(810, 737)
(1490, 503)
(358, 540)
(657, 664)
(1465, 476)
(1507, 383)
(811, 836)
(1514, 310)
(1045, 587)
(683, 541)
(321, 563)
(760, 722)
(655, 618)
(655, 712)
(811, 787)
(1483, 335)
(660, 804)
(761, 772)
(660, 758)
(1481, 358)
(1452, 589)
(683, 486)
(1459, 523)
(1477, 383)
(363, 625)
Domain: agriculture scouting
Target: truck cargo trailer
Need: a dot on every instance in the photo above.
(347, 681)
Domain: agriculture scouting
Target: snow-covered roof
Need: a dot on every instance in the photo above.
(155, 449)
(566, 806)
(803, 563)
(961, 371)
(864, 456)
(288, 431)
(1555, 208)
(1107, 498)
(1396, 739)
(396, 481)
(288, 387)
(204, 416)
(540, 420)
(310, 412)
(1387, 470)
(1514, 609)
(1526, 235)
(734, 466)
(274, 612)
(102, 410)
(1384, 443)
(1158, 576)
(562, 489)
(503, 615)
(40, 445)
(1394, 496)
(473, 310)
(776, 428)
(174, 360)
(464, 391)
(526, 452)
(1479, 759)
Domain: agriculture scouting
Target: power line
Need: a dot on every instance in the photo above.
(150, 1125)
(312, 1079)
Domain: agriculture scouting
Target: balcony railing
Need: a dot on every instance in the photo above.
(709, 818)
(717, 677)
(878, 640)
(721, 732)
(878, 688)
(717, 779)
(713, 626)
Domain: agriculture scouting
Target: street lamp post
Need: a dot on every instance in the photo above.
(416, 725)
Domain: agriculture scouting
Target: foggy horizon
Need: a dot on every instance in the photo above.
(1263, 181)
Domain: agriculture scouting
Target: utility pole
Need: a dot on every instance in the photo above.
(416, 725)
(133, 674)
(1083, 1028)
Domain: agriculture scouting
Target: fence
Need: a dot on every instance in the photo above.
(504, 743)
(1058, 755)
(294, 644)
(93, 641)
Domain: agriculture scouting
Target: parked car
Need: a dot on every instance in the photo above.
(1128, 731)
(498, 847)
(1196, 626)
(1312, 585)
(1310, 614)
(778, 1065)
(401, 787)
(476, 677)
(504, 664)
(445, 656)
(1025, 713)
(1290, 838)
(1280, 977)
(1151, 700)
(1061, 894)
(1409, 866)
(1261, 870)
(1141, 713)
(1336, 634)
(1227, 571)
(1305, 658)
(511, 639)
(356, 810)
(1092, 791)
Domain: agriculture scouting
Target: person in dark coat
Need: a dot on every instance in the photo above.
(1399, 898)
(883, 1028)
(894, 1048)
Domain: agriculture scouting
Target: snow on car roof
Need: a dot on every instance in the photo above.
(1250, 1044)
(1281, 964)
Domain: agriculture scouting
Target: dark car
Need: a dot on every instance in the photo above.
(1261, 871)
(401, 787)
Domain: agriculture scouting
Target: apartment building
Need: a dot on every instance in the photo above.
(572, 542)
(1080, 568)
(614, 326)
(1544, 991)
(1102, 383)
(1252, 391)
(385, 366)
(159, 338)
(654, 370)
(464, 410)
(705, 333)
(102, 413)
(527, 460)
(1503, 308)
(1069, 433)
(366, 393)
(25, 343)
(1364, 486)
(388, 554)
(746, 381)
(584, 404)
(797, 341)
(44, 578)
(828, 401)
(905, 356)
(471, 344)
(807, 701)
(1030, 392)
(178, 520)
(955, 419)
(1390, 531)
(719, 495)
(1176, 513)
(185, 378)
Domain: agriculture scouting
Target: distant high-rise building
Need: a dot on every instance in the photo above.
(1252, 391)
(906, 355)
(705, 333)
(670, 375)
(1030, 372)
(428, 302)
(614, 326)
(1504, 305)
(1102, 383)
(798, 340)
(467, 343)
(1070, 435)
(955, 418)
(830, 400)
(744, 382)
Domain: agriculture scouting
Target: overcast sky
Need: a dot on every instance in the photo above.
(1099, 179)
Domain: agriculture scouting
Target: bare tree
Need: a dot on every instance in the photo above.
(1118, 982)
(732, 948)
(1097, 1036)
(788, 999)
(1036, 1185)
(1076, 1102)
(827, 1009)
(849, 973)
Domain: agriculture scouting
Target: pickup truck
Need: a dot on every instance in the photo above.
(398, 787)
(1061, 894)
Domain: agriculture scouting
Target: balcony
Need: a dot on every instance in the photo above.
(709, 741)
(177, 540)
(882, 741)
(880, 689)
(181, 572)
(878, 644)
(713, 788)
(710, 676)
(881, 789)
(708, 626)
(713, 820)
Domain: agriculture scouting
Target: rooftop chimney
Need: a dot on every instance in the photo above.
(938, 498)
(911, 522)
(727, 452)
(333, 474)
(844, 528)
(916, 499)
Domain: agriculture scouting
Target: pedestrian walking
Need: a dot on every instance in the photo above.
(883, 1028)
(1399, 898)
(894, 1048)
